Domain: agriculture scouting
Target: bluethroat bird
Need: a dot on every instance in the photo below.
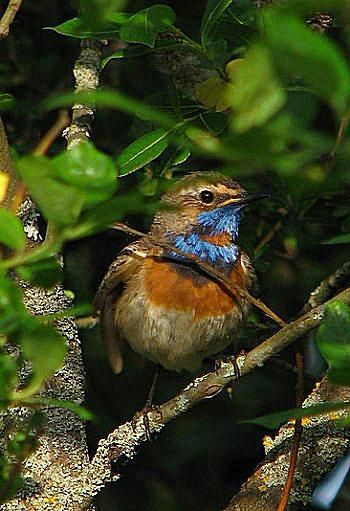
(169, 312)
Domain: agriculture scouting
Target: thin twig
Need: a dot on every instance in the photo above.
(124, 440)
(53, 133)
(41, 149)
(87, 76)
(342, 127)
(8, 17)
(206, 268)
(8, 172)
(298, 429)
(329, 286)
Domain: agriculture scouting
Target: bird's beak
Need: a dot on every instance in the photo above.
(246, 199)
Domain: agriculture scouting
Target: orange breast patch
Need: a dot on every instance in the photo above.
(167, 287)
(223, 240)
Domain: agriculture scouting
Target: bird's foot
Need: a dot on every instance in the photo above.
(144, 414)
(231, 359)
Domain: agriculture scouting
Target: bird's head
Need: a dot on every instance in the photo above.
(206, 203)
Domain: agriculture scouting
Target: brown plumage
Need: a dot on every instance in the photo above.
(167, 311)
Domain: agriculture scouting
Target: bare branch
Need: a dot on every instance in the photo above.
(329, 286)
(322, 444)
(8, 17)
(87, 75)
(9, 181)
(123, 442)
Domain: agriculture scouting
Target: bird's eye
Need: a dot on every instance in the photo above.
(206, 196)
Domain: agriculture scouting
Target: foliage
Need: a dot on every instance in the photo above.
(236, 95)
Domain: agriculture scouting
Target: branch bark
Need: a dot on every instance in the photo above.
(50, 472)
(322, 444)
(8, 17)
(122, 443)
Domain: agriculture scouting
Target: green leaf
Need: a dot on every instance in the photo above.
(243, 12)
(333, 340)
(113, 99)
(6, 102)
(138, 51)
(338, 240)
(11, 230)
(312, 56)
(82, 412)
(256, 95)
(45, 348)
(107, 29)
(215, 122)
(104, 215)
(8, 378)
(145, 25)
(180, 156)
(213, 11)
(275, 420)
(45, 273)
(12, 310)
(59, 203)
(142, 151)
(89, 170)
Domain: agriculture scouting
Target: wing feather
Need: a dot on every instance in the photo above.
(110, 290)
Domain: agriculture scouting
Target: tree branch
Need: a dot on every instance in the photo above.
(87, 76)
(50, 472)
(122, 443)
(9, 181)
(322, 444)
(8, 17)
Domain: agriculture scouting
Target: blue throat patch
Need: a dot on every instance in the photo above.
(212, 223)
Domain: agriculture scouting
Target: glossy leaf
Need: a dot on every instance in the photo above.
(180, 156)
(139, 50)
(113, 99)
(244, 12)
(111, 211)
(215, 122)
(333, 340)
(8, 377)
(11, 230)
(213, 11)
(12, 310)
(338, 240)
(312, 56)
(79, 410)
(145, 25)
(142, 151)
(6, 101)
(275, 420)
(89, 170)
(77, 27)
(45, 273)
(59, 203)
(45, 348)
(256, 94)
(210, 92)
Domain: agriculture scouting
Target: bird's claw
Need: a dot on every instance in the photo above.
(148, 408)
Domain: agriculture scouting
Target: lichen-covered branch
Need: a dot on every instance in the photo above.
(322, 444)
(87, 75)
(329, 286)
(123, 442)
(50, 473)
(8, 17)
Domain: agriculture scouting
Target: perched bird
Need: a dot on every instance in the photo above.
(165, 309)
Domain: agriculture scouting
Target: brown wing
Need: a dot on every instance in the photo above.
(107, 296)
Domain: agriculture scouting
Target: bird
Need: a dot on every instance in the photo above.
(165, 307)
